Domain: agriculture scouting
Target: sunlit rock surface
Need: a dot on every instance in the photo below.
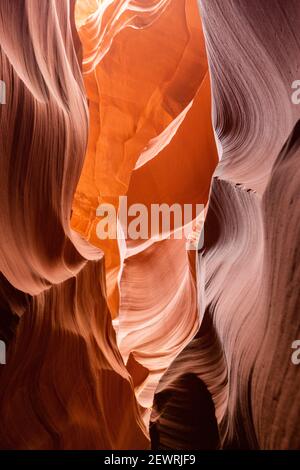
(65, 385)
(150, 139)
(127, 344)
(248, 269)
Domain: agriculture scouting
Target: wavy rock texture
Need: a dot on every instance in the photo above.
(248, 270)
(150, 139)
(65, 381)
(65, 377)
(112, 98)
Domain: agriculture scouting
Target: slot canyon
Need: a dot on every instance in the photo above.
(127, 342)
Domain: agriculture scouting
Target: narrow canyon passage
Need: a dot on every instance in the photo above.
(149, 284)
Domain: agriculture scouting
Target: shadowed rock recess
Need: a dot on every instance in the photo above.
(135, 343)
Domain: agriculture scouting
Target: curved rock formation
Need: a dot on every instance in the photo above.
(113, 343)
(150, 139)
(64, 374)
(248, 273)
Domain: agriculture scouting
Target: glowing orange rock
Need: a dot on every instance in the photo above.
(151, 139)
